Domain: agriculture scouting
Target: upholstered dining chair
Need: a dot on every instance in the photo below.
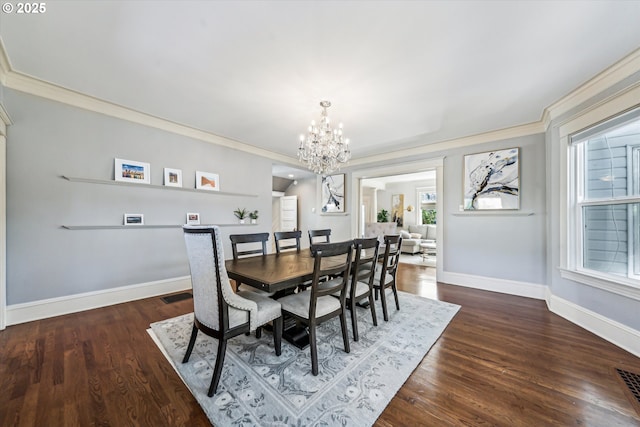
(386, 278)
(363, 271)
(316, 305)
(319, 236)
(287, 240)
(218, 311)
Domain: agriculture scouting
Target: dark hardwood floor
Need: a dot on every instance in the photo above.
(503, 361)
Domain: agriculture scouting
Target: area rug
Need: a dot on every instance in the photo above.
(257, 388)
(418, 259)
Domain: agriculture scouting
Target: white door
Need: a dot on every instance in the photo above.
(288, 213)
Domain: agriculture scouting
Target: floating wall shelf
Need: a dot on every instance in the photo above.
(492, 213)
(157, 187)
(136, 227)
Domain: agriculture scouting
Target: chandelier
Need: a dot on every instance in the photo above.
(324, 149)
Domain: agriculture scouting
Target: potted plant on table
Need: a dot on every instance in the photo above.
(241, 214)
(254, 217)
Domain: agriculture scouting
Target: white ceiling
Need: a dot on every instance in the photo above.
(399, 73)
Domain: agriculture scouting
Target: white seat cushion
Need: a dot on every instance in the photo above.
(268, 308)
(298, 304)
(387, 279)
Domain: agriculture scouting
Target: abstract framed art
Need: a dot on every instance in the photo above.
(492, 180)
(207, 181)
(333, 193)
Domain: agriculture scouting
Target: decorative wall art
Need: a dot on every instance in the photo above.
(397, 209)
(132, 171)
(333, 193)
(172, 177)
(492, 180)
(133, 219)
(207, 181)
(193, 218)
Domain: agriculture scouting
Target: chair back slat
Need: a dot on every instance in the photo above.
(324, 236)
(287, 236)
(392, 243)
(363, 268)
(333, 260)
(250, 240)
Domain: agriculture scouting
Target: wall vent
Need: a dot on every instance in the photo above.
(176, 297)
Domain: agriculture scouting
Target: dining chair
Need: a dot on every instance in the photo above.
(363, 271)
(387, 276)
(323, 235)
(316, 305)
(218, 311)
(287, 237)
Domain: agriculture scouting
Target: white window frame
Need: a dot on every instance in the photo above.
(571, 215)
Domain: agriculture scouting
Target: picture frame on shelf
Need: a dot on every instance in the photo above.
(172, 177)
(207, 181)
(193, 218)
(333, 194)
(133, 219)
(492, 180)
(132, 171)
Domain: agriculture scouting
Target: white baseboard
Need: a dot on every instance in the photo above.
(607, 329)
(511, 287)
(26, 312)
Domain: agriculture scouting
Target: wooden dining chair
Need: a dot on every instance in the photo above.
(387, 275)
(218, 311)
(319, 236)
(360, 287)
(251, 240)
(291, 240)
(316, 305)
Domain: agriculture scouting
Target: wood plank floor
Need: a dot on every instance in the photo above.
(503, 361)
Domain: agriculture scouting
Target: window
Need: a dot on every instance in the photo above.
(605, 213)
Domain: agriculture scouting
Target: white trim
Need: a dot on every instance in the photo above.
(619, 287)
(504, 286)
(610, 330)
(3, 231)
(617, 72)
(27, 312)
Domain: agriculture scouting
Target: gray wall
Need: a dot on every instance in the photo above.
(501, 246)
(49, 139)
(612, 306)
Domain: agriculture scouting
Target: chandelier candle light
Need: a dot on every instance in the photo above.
(324, 149)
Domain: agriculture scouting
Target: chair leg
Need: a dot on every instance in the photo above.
(314, 348)
(277, 334)
(354, 320)
(373, 310)
(217, 372)
(395, 294)
(192, 341)
(345, 333)
(259, 332)
(383, 300)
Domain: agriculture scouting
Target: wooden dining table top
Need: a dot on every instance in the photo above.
(274, 272)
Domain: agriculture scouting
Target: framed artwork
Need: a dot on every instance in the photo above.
(397, 209)
(492, 180)
(193, 219)
(132, 171)
(133, 219)
(172, 177)
(207, 181)
(333, 193)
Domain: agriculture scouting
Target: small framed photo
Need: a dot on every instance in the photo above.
(133, 219)
(132, 171)
(207, 181)
(193, 218)
(172, 177)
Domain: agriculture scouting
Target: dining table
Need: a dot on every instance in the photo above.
(279, 273)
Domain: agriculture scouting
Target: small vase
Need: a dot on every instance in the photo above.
(254, 221)
(242, 221)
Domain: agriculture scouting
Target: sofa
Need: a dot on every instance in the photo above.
(380, 229)
(415, 235)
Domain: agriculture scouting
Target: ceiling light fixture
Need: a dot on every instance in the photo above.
(324, 149)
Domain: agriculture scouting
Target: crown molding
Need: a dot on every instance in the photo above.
(5, 64)
(491, 136)
(617, 72)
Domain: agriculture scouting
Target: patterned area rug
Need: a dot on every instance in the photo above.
(418, 259)
(259, 388)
